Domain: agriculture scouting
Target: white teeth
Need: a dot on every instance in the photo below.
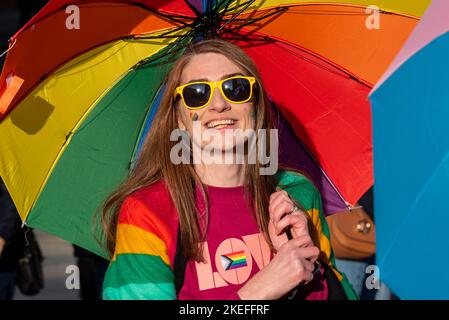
(220, 123)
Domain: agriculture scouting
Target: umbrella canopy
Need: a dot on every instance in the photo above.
(411, 165)
(74, 112)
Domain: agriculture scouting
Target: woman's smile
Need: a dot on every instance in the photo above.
(219, 114)
(223, 123)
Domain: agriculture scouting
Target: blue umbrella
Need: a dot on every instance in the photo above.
(410, 107)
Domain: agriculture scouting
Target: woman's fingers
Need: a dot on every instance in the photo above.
(277, 240)
(287, 221)
(292, 264)
(305, 269)
(277, 198)
(308, 276)
(310, 253)
(300, 242)
(282, 207)
(274, 196)
(280, 204)
(297, 219)
(280, 210)
(308, 266)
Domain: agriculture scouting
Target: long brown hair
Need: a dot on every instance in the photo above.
(154, 164)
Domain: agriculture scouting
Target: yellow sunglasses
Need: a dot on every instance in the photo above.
(197, 95)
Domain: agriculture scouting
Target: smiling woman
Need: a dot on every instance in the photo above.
(229, 107)
(216, 230)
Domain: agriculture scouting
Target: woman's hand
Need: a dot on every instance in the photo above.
(293, 264)
(283, 215)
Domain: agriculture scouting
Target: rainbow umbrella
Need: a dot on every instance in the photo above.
(76, 103)
(411, 163)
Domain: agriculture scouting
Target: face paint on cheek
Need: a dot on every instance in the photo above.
(193, 116)
(252, 114)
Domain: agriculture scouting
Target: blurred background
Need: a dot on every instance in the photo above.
(58, 254)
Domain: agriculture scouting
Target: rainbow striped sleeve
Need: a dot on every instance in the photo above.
(303, 191)
(140, 268)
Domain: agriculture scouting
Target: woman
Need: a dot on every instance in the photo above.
(202, 230)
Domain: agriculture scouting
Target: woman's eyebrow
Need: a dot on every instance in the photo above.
(223, 77)
(231, 75)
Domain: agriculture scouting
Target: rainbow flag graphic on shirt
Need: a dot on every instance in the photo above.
(233, 260)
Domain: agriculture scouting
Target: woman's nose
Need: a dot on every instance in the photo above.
(218, 103)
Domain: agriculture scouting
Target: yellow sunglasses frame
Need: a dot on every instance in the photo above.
(213, 85)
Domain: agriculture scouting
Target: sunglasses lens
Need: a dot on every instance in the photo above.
(196, 95)
(237, 89)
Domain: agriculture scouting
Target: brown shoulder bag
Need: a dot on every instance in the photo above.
(352, 234)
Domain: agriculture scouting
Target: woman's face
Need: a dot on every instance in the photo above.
(219, 115)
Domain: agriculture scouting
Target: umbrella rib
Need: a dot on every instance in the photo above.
(10, 47)
(238, 5)
(236, 14)
(320, 65)
(167, 34)
(267, 38)
(78, 127)
(250, 38)
(56, 68)
(348, 73)
(154, 37)
(195, 10)
(171, 17)
(66, 143)
(224, 4)
(276, 11)
(209, 8)
(381, 11)
(229, 10)
(178, 47)
(142, 128)
(313, 159)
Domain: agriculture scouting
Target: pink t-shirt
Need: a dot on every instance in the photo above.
(234, 250)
